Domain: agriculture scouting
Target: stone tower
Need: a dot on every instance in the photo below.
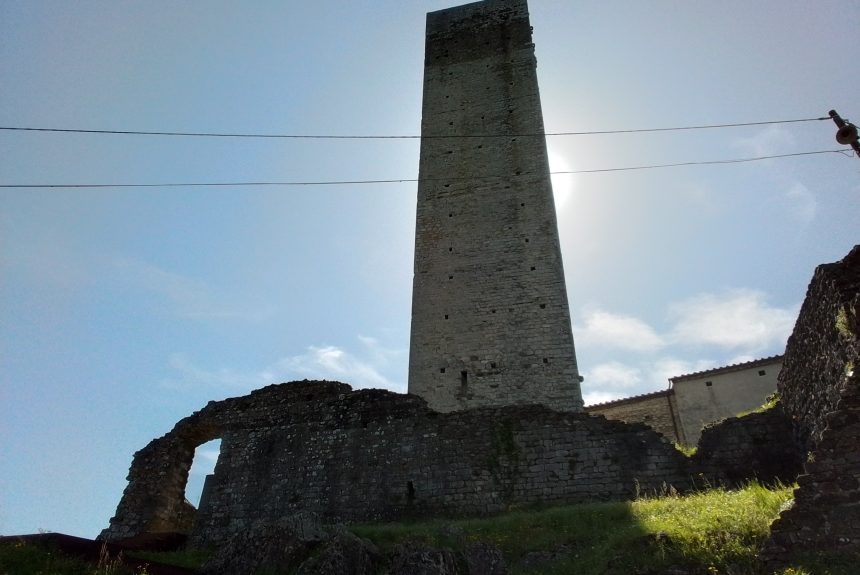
(490, 318)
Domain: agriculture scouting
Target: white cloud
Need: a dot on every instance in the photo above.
(721, 329)
(616, 380)
(330, 362)
(738, 318)
(615, 330)
(326, 362)
(593, 397)
(613, 374)
(665, 367)
(801, 203)
(769, 141)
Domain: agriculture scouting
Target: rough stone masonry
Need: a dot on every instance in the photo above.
(322, 448)
(820, 389)
(490, 318)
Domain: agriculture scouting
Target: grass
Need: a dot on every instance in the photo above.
(18, 558)
(770, 402)
(713, 532)
(188, 558)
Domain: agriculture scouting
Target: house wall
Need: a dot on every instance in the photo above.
(654, 410)
(728, 394)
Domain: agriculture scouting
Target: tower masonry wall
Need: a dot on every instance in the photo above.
(490, 317)
(712, 396)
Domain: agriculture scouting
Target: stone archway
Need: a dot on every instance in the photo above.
(154, 500)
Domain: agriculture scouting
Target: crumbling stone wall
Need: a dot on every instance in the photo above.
(758, 445)
(820, 389)
(154, 500)
(822, 348)
(376, 455)
(347, 456)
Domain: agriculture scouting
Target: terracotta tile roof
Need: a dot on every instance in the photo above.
(727, 368)
(631, 399)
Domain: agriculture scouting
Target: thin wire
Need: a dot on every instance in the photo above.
(401, 137)
(705, 162)
(406, 180)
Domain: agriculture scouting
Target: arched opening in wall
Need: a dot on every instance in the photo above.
(205, 458)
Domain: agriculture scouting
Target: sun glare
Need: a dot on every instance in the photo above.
(563, 185)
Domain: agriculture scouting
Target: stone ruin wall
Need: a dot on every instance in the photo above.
(375, 455)
(820, 390)
(730, 449)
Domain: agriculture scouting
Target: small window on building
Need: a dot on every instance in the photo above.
(709, 383)
(493, 365)
(446, 316)
(543, 306)
(533, 268)
(546, 360)
(442, 370)
(762, 372)
(464, 378)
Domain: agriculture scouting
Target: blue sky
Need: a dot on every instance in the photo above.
(124, 310)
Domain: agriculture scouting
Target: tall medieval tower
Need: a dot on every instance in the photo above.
(490, 318)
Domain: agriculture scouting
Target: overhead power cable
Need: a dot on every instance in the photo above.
(402, 137)
(405, 180)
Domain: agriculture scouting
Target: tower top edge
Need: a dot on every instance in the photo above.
(458, 16)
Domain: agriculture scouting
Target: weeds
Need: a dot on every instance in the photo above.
(716, 531)
(770, 402)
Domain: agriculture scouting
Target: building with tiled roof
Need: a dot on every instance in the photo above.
(694, 400)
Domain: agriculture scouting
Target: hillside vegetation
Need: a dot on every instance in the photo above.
(714, 532)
